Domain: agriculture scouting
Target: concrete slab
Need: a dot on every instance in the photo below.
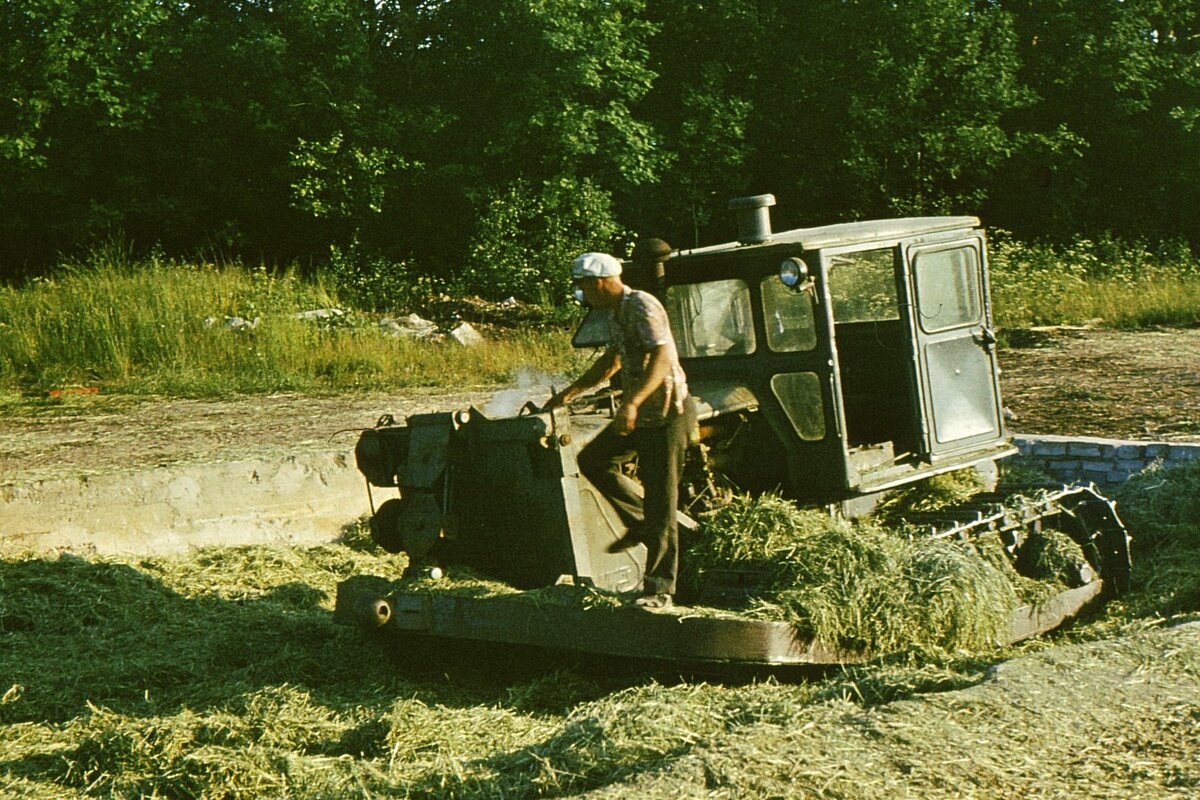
(302, 499)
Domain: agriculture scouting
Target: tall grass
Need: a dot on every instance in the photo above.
(1121, 284)
(155, 327)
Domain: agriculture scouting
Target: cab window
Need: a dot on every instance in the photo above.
(789, 316)
(711, 319)
(862, 286)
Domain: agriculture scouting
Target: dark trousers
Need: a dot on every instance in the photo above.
(660, 452)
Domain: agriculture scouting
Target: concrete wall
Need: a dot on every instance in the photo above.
(305, 499)
(1105, 462)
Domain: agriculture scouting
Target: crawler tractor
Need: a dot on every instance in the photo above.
(830, 365)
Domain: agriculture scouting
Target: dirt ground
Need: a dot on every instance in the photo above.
(1129, 385)
(86, 435)
(1114, 384)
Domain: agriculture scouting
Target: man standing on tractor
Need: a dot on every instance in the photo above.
(654, 420)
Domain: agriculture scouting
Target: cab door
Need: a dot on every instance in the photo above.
(956, 366)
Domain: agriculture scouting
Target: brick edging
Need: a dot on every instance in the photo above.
(1105, 462)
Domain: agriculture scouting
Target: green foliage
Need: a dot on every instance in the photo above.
(425, 134)
(547, 90)
(341, 181)
(369, 281)
(1118, 79)
(1123, 284)
(528, 236)
(925, 130)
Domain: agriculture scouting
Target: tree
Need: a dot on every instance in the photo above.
(706, 57)
(452, 136)
(75, 81)
(1122, 77)
(540, 96)
(841, 108)
(896, 107)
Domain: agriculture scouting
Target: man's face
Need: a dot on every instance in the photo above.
(597, 292)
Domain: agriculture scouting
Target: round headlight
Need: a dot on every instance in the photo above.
(578, 295)
(792, 272)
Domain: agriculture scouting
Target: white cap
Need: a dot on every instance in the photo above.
(595, 265)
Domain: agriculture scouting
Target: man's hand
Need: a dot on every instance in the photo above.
(625, 419)
(557, 399)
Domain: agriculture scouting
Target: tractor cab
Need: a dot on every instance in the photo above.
(832, 363)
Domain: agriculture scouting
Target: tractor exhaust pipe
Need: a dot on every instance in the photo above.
(753, 217)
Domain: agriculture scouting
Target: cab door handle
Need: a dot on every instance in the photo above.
(985, 338)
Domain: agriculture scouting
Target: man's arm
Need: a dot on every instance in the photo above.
(601, 370)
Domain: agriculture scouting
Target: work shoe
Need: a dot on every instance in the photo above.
(654, 602)
(632, 538)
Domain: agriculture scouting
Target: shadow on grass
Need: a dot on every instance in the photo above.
(76, 633)
(585, 754)
(127, 683)
(151, 691)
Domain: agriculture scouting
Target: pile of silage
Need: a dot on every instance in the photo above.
(220, 674)
(856, 586)
(137, 633)
(931, 494)
(1161, 509)
(1163, 506)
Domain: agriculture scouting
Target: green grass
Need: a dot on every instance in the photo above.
(159, 328)
(1122, 285)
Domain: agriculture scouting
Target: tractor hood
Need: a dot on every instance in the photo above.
(717, 397)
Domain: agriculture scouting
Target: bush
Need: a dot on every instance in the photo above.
(528, 236)
(371, 281)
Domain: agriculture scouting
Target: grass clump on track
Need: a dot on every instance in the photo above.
(856, 586)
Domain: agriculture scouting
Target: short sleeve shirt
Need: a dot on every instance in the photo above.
(638, 325)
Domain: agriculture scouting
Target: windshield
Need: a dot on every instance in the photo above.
(711, 319)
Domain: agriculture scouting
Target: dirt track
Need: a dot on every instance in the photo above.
(1114, 384)
(86, 435)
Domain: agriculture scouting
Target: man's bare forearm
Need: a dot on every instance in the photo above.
(601, 370)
